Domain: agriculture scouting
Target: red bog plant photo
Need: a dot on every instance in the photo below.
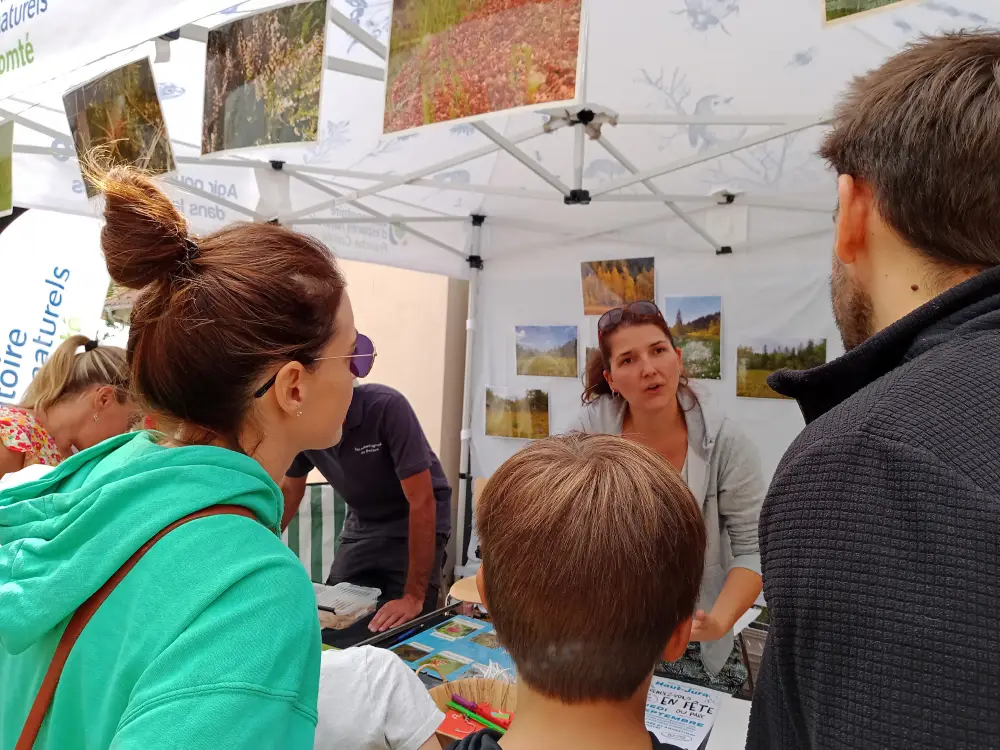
(453, 59)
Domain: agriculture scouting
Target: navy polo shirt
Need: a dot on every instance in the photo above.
(383, 443)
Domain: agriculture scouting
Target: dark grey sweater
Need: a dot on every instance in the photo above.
(880, 542)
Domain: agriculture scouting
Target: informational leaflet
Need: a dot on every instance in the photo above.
(681, 714)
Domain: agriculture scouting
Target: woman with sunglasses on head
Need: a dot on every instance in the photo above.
(202, 629)
(78, 398)
(637, 388)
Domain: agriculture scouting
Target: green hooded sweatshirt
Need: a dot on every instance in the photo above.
(211, 641)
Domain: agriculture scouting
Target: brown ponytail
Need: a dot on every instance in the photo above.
(216, 314)
(69, 371)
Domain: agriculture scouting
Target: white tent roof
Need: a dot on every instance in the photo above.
(694, 96)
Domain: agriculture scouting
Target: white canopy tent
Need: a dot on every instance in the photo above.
(695, 145)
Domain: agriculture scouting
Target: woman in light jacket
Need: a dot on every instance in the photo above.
(637, 388)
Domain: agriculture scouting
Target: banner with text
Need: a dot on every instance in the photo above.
(41, 39)
(57, 284)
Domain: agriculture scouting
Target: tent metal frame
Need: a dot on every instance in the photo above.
(589, 122)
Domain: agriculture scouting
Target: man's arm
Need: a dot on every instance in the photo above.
(423, 519)
(293, 489)
(859, 543)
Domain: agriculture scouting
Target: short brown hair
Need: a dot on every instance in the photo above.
(923, 132)
(593, 549)
(218, 312)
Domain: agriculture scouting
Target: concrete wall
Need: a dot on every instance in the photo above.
(417, 322)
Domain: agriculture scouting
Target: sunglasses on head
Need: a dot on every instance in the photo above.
(613, 317)
(362, 362)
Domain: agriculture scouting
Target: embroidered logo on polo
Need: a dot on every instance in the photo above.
(367, 450)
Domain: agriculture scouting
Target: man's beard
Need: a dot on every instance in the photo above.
(852, 307)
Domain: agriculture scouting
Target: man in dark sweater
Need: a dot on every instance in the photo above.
(879, 536)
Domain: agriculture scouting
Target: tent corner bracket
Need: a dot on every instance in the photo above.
(577, 197)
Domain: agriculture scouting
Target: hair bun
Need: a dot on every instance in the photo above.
(145, 238)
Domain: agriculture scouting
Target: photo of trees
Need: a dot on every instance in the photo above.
(517, 414)
(756, 360)
(612, 283)
(451, 59)
(837, 9)
(263, 76)
(696, 325)
(546, 351)
(119, 113)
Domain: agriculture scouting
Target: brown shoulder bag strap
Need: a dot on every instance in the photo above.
(82, 616)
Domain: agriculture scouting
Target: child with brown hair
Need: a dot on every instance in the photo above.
(593, 550)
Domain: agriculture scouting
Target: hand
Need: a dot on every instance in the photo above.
(396, 613)
(706, 627)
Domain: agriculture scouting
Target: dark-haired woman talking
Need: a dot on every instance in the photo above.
(637, 388)
(242, 344)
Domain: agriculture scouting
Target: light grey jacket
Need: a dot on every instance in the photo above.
(724, 475)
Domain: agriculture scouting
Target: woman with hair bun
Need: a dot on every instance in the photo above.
(242, 344)
(78, 398)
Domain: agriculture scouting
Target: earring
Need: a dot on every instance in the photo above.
(298, 414)
(97, 418)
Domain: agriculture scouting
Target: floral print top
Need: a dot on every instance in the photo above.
(21, 433)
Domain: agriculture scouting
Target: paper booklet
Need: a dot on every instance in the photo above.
(681, 714)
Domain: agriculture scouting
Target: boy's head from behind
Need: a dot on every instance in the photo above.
(593, 549)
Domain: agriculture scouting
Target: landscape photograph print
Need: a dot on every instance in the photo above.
(613, 283)
(696, 325)
(757, 359)
(546, 351)
(7, 168)
(263, 76)
(839, 9)
(119, 116)
(520, 414)
(454, 59)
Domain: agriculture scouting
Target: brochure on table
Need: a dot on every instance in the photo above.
(454, 649)
(681, 714)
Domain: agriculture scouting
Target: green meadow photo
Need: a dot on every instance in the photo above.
(7, 168)
(546, 351)
(119, 114)
(838, 9)
(263, 76)
(453, 59)
(757, 359)
(517, 414)
(696, 325)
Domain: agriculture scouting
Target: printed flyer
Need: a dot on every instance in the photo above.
(681, 714)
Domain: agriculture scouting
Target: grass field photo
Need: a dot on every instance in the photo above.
(546, 351)
(7, 168)
(263, 76)
(119, 114)
(612, 283)
(453, 59)
(757, 359)
(696, 325)
(838, 9)
(517, 414)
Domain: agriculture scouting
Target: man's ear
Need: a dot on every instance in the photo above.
(854, 207)
(481, 585)
(678, 642)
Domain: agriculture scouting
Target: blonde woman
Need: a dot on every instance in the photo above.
(78, 399)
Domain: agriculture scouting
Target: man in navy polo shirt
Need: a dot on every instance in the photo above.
(399, 504)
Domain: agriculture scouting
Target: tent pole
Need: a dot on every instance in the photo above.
(714, 153)
(579, 153)
(354, 31)
(522, 157)
(651, 187)
(465, 474)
